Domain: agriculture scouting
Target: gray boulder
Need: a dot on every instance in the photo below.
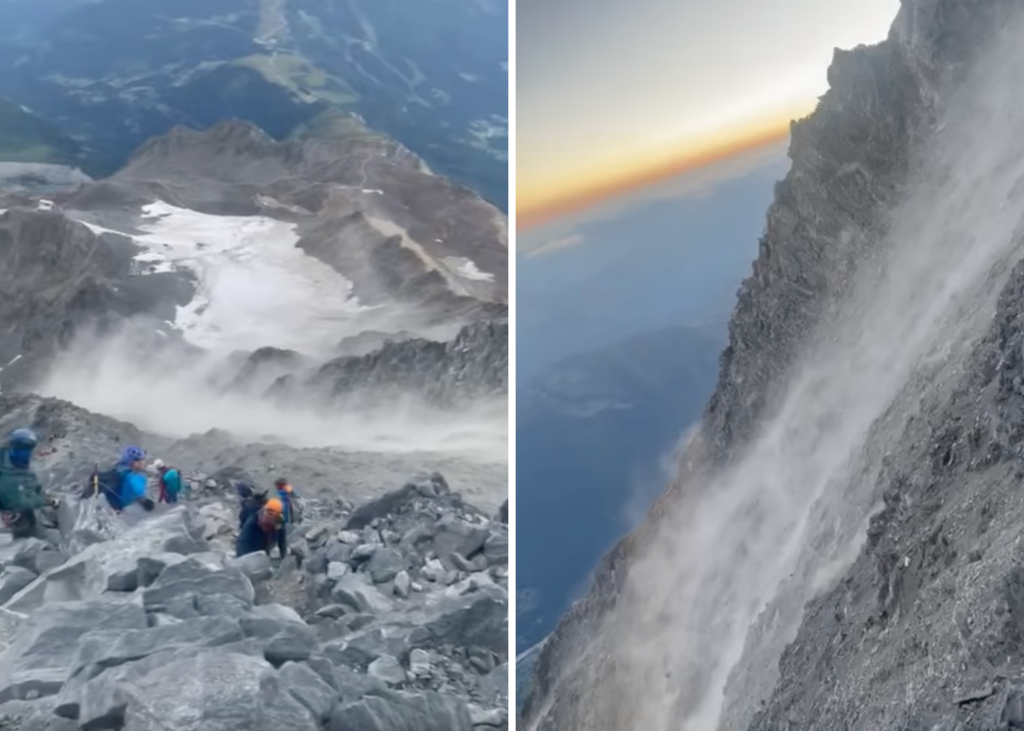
(213, 691)
(351, 590)
(385, 564)
(14, 579)
(292, 643)
(496, 549)
(403, 712)
(194, 577)
(479, 618)
(309, 688)
(387, 669)
(37, 661)
(255, 566)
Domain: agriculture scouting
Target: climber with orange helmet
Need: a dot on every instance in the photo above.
(263, 529)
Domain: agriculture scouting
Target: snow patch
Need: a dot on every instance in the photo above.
(467, 269)
(253, 284)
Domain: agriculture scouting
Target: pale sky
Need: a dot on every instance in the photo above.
(603, 83)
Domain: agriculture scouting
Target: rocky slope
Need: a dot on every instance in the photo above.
(421, 259)
(57, 276)
(363, 204)
(392, 614)
(856, 468)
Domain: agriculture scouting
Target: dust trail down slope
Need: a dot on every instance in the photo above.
(680, 628)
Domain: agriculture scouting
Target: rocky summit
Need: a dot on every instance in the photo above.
(390, 614)
(840, 547)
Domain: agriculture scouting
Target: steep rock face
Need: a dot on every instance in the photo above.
(56, 277)
(468, 368)
(850, 162)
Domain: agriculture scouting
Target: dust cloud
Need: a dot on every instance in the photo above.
(172, 389)
(733, 546)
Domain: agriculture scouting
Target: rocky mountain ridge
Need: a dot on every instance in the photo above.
(409, 245)
(920, 630)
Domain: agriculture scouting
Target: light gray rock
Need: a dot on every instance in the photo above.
(419, 663)
(194, 577)
(102, 649)
(496, 549)
(352, 591)
(110, 565)
(479, 618)
(37, 661)
(334, 611)
(493, 717)
(278, 612)
(213, 692)
(255, 566)
(77, 580)
(388, 669)
(318, 534)
(434, 570)
(293, 643)
(362, 553)
(384, 565)
(403, 712)
(336, 569)
(402, 584)
(307, 687)
(14, 579)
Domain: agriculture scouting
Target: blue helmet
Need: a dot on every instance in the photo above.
(132, 454)
(22, 439)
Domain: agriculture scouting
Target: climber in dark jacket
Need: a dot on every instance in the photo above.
(264, 529)
(21, 494)
(251, 500)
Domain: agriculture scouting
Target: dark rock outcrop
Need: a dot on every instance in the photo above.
(58, 278)
(471, 367)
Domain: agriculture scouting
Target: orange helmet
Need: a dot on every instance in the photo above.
(274, 506)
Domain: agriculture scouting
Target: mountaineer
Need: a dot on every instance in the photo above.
(21, 493)
(252, 500)
(169, 479)
(125, 483)
(290, 500)
(263, 530)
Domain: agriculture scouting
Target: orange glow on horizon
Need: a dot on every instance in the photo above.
(535, 210)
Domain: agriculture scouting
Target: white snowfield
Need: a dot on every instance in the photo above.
(467, 269)
(254, 286)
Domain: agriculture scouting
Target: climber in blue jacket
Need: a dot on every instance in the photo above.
(127, 481)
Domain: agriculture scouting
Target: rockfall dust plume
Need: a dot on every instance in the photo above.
(177, 391)
(730, 546)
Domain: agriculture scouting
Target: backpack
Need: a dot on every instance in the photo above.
(108, 484)
(19, 487)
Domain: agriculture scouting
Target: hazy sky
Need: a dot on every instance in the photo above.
(607, 88)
